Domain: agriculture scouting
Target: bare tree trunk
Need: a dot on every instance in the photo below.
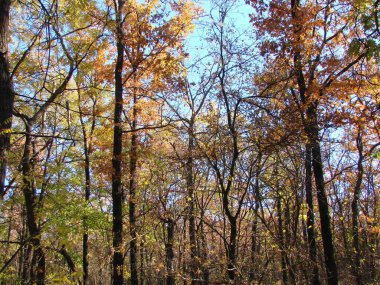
(194, 264)
(132, 194)
(38, 260)
(142, 269)
(25, 253)
(85, 235)
(252, 273)
(170, 277)
(311, 129)
(26, 262)
(355, 212)
(281, 242)
(181, 254)
(69, 261)
(117, 190)
(86, 146)
(287, 242)
(327, 238)
(231, 267)
(204, 254)
(310, 217)
(6, 93)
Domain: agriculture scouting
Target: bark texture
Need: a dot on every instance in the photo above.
(117, 190)
(6, 95)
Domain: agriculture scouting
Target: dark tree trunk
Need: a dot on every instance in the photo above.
(355, 213)
(87, 198)
(6, 93)
(289, 263)
(182, 261)
(231, 267)
(252, 273)
(281, 242)
(327, 238)
(204, 254)
(227, 186)
(68, 259)
(25, 253)
(26, 262)
(194, 264)
(142, 256)
(132, 195)
(310, 217)
(342, 223)
(117, 190)
(310, 122)
(170, 278)
(87, 191)
(85, 262)
(37, 269)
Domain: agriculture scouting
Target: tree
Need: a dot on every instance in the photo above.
(7, 94)
(308, 33)
(117, 190)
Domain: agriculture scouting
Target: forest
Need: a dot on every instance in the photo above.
(189, 142)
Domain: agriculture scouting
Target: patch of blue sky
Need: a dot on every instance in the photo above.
(198, 43)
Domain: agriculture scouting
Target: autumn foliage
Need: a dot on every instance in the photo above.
(170, 142)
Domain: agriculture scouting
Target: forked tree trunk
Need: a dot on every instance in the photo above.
(311, 129)
(37, 268)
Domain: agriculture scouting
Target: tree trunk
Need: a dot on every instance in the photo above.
(310, 217)
(170, 278)
(281, 241)
(86, 147)
(287, 242)
(132, 195)
(231, 267)
(252, 273)
(69, 261)
(355, 213)
(87, 198)
(204, 254)
(117, 190)
(25, 262)
(311, 129)
(194, 263)
(142, 256)
(25, 265)
(6, 95)
(181, 257)
(38, 260)
(327, 238)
